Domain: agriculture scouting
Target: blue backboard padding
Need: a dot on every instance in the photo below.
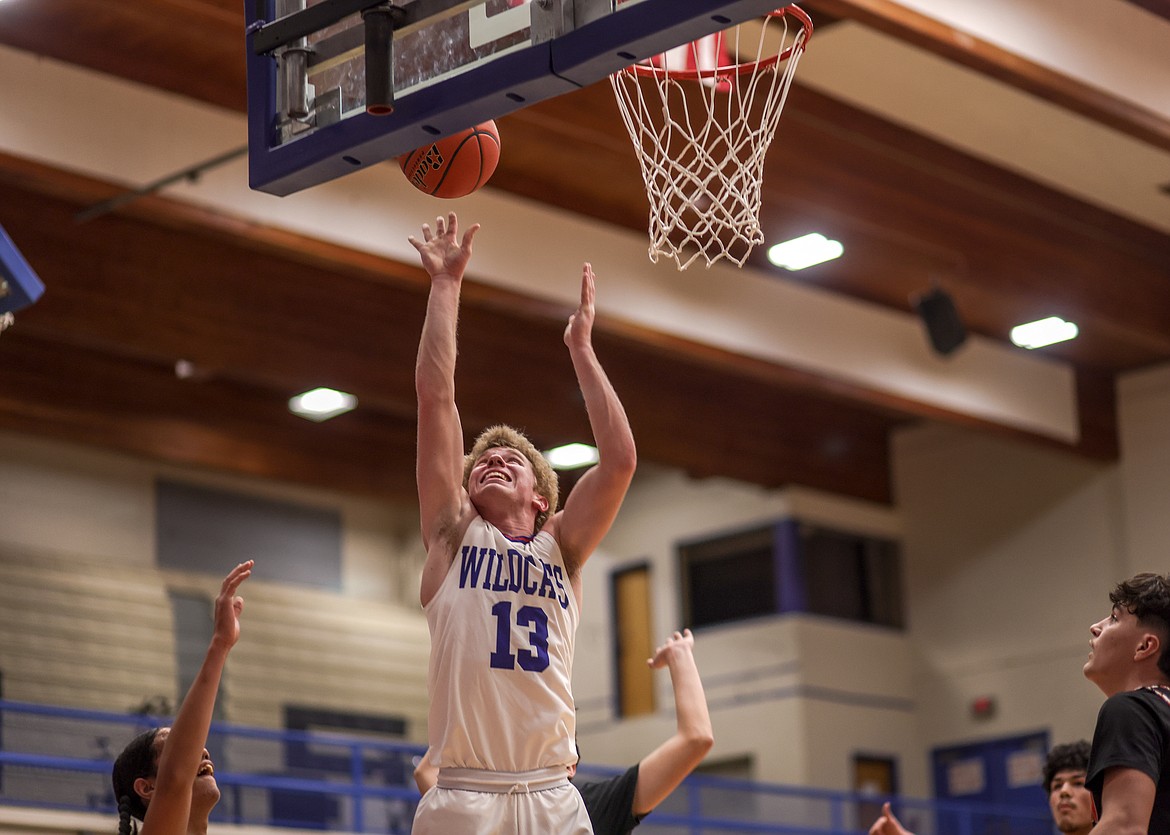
(489, 90)
(24, 287)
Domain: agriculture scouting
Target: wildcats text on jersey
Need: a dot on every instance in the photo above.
(513, 571)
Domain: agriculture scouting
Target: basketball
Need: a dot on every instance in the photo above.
(456, 165)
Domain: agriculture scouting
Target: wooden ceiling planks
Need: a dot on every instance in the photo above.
(134, 291)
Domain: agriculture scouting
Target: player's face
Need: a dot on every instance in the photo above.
(502, 471)
(1070, 801)
(1112, 644)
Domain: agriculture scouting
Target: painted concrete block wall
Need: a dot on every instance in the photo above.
(1009, 551)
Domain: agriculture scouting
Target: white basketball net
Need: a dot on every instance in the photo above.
(6, 321)
(701, 118)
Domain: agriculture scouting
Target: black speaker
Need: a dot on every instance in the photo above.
(944, 328)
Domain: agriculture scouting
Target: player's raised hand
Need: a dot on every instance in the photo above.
(579, 331)
(228, 606)
(887, 824)
(441, 250)
(679, 642)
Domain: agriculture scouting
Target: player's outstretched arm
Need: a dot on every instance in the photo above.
(887, 824)
(661, 772)
(439, 466)
(169, 808)
(594, 501)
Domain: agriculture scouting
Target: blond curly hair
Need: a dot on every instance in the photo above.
(503, 435)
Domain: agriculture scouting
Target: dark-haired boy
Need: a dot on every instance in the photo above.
(1129, 660)
(1064, 781)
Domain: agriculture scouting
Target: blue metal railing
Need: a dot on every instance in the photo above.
(348, 783)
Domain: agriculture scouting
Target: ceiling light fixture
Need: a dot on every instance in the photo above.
(184, 369)
(1043, 332)
(572, 456)
(321, 404)
(805, 251)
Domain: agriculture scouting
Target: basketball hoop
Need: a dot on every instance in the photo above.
(701, 118)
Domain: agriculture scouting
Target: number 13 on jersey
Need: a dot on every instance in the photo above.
(533, 659)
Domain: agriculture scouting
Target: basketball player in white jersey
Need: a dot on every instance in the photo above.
(501, 586)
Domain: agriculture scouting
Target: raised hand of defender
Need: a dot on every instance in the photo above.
(679, 642)
(228, 606)
(441, 251)
(579, 331)
(887, 824)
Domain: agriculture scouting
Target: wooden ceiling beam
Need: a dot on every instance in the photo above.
(274, 313)
(144, 287)
(964, 48)
(85, 396)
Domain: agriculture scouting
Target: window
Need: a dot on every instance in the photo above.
(791, 567)
(729, 578)
(210, 530)
(850, 576)
(194, 627)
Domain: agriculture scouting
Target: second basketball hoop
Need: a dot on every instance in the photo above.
(701, 118)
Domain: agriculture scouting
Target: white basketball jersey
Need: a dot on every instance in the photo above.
(502, 630)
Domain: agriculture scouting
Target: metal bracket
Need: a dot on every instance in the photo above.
(550, 19)
(553, 18)
(587, 11)
(325, 111)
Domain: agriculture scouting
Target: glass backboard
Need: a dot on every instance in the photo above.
(450, 64)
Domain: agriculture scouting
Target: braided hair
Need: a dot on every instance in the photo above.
(138, 759)
(126, 824)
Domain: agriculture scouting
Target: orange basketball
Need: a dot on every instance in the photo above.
(456, 165)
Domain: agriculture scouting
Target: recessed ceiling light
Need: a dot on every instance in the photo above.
(184, 369)
(572, 456)
(321, 404)
(805, 251)
(1043, 332)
